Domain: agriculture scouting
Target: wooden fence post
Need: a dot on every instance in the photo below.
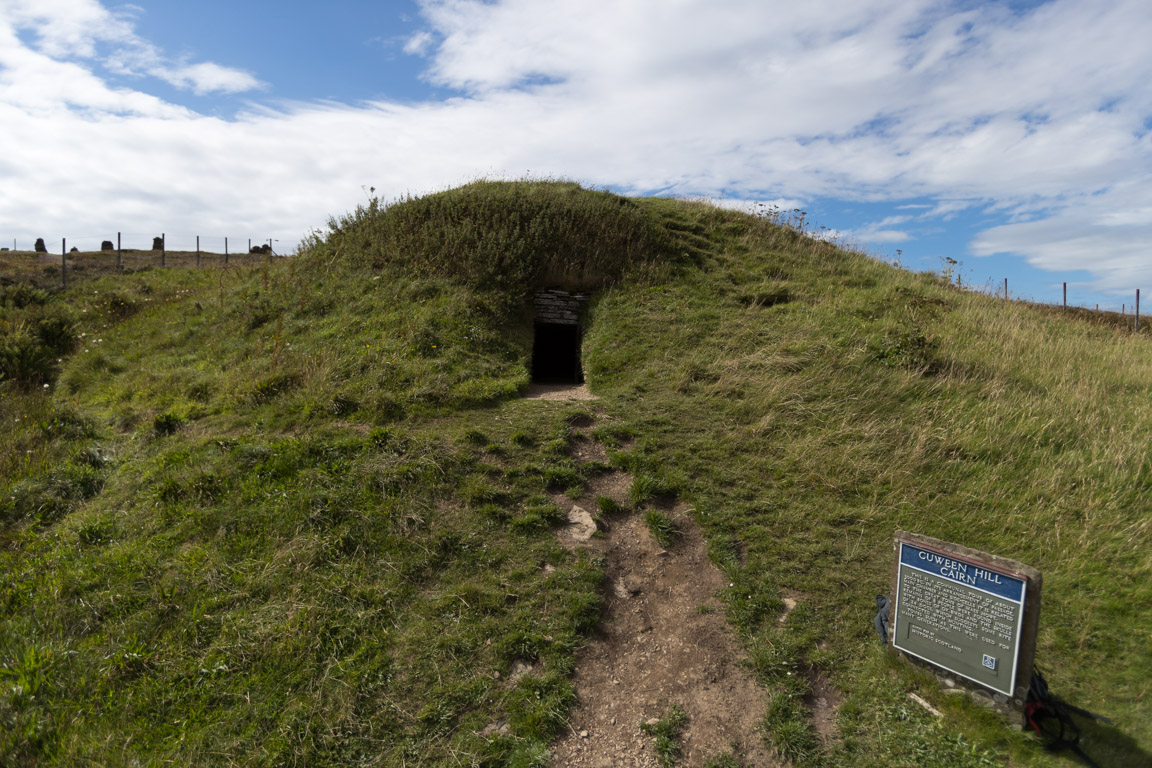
(64, 262)
(119, 259)
(1065, 295)
(1005, 289)
(162, 248)
(197, 250)
(1136, 324)
(225, 251)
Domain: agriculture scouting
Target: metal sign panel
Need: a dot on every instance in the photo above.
(959, 614)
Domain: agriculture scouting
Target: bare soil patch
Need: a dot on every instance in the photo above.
(663, 641)
(824, 701)
(559, 392)
(585, 450)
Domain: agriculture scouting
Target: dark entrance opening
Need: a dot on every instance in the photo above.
(556, 354)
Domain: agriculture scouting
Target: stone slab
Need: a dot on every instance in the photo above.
(559, 307)
(968, 613)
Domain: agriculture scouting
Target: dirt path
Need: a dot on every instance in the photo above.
(663, 641)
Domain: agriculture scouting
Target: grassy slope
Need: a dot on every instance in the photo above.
(874, 400)
(295, 515)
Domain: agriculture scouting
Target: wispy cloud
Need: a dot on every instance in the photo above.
(947, 209)
(881, 232)
(78, 31)
(1106, 234)
(206, 77)
(419, 43)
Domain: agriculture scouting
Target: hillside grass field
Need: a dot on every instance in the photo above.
(298, 514)
(43, 270)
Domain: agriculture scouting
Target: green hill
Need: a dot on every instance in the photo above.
(297, 513)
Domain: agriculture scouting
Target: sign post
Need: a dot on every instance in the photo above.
(969, 613)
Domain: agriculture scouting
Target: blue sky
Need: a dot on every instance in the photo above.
(350, 51)
(1014, 137)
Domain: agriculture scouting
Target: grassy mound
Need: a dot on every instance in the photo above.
(294, 514)
(506, 236)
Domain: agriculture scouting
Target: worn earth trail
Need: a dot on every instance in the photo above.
(663, 642)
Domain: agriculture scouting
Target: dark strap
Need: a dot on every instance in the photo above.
(1052, 718)
(881, 620)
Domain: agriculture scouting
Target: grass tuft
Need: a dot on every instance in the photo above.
(666, 733)
(663, 527)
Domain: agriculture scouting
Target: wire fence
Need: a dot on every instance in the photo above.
(132, 251)
(1129, 314)
(146, 241)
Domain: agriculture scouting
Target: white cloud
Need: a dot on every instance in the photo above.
(1106, 234)
(1041, 115)
(420, 43)
(946, 209)
(68, 31)
(881, 232)
(43, 88)
(207, 77)
(879, 236)
(68, 28)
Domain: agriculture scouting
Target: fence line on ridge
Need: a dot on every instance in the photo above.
(140, 250)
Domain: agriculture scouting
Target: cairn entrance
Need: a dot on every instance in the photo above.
(556, 354)
(557, 336)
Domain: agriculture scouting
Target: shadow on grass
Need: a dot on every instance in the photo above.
(1109, 747)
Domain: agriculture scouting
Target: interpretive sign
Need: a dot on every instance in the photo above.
(968, 612)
